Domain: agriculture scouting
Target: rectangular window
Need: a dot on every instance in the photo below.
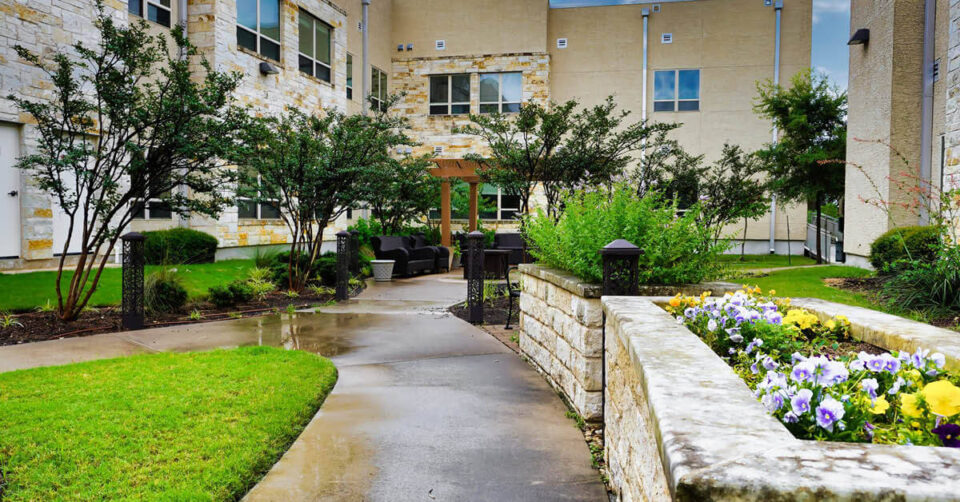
(258, 27)
(249, 209)
(500, 92)
(349, 76)
(378, 89)
(153, 209)
(315, 36)
(449, 94)
(157, 11)
(504, 205)
(676, 90)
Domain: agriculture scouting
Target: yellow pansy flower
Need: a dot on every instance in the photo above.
(675, 301)
(943, 398)
(908, 406)
(773, 292)
(831, 324)
(880, 406)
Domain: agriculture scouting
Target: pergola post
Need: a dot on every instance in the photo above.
(445, 239)
(473, 206)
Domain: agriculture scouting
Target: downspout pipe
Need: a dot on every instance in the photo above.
(366, 56)
(778, 9)
(926, 110)
(645, 12)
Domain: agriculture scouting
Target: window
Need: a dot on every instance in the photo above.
(449, 94)
(153, 209)
(258, 27)
(349, 76)
(500, 92)
(314, 46)
(507, 206)
(157, 11)
(250, 209)
(676, 90)
(378, 89)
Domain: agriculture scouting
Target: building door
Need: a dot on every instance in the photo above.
(9, 191)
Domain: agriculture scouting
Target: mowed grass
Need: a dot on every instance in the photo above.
(196, 426)
(764, 261)
(26, 291)
(809, 282)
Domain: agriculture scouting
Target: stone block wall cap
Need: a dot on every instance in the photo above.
(133, 236)
(621, 247)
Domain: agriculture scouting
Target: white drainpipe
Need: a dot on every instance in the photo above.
(643, 81)
(778, 8)
(366, 56)
(926, 110)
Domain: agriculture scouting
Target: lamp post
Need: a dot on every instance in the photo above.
(131, 312)
(343, 265)
(474, 256)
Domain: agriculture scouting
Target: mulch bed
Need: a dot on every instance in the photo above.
(494, 311)
(873, 287)
(41, 326)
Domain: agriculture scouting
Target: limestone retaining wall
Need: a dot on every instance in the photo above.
(682, 425)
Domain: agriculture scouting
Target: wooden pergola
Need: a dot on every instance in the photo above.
(465, 170)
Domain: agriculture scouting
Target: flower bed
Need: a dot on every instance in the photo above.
(820, 382)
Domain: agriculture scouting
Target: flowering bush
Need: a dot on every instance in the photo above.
(897, 397)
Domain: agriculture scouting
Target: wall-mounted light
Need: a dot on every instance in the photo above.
(409, 47)
(861, 37)
(268, 69)
(399, 47)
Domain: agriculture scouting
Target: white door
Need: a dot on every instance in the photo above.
(61, 225)
(9, 191)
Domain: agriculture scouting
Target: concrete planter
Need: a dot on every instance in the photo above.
(561, 326)
(382, 270)
(681, 425)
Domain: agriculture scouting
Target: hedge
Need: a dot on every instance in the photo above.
(178, 246)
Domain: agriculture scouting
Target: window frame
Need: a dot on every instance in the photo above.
(145, 10)
(147, 216)
(258, 206)
(381, 80)
(500, 102)
(501, 207)
(676, 100)
(258, 34)
(349, 79)
(313, 33)
(449, 103)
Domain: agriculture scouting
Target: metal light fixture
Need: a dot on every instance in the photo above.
(861, 37)
(268, 69)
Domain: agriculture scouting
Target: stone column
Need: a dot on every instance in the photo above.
(445, 213)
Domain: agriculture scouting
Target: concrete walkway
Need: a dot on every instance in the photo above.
(427, 407)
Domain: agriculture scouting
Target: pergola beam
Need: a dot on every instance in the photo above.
(447, 170)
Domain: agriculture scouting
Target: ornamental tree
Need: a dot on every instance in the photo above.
(313, 168)
(806, 164)
(125, 123)
(403, 190)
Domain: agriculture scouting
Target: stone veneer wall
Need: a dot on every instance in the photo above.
(561, 331)
(951, 159)
(412, 77)
(682, 425)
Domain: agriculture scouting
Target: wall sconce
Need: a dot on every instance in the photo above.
(268, 69)
(409, 47)
(861, 37)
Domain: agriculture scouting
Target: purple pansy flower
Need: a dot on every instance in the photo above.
(829, 413)
(949, 434)
(801, 401)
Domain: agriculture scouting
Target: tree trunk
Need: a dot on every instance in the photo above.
(819, 245)
(743, 243)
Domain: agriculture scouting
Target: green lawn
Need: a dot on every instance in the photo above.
(196, 426)
(764, 261)
(28, 290)
(808, 282)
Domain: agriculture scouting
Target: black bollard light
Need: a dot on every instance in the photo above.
(343, 265)
(474, 256)
(131, 313)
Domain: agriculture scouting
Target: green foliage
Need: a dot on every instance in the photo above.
(232, 294)
(194, 426)
(313, 168)
(161, 129)
(460, 200)
(163, 291)
(918, 243)
(8, 321)
(677, 250)
(559, 147)
(403, 190)
(179, 245)
(371, 228)
(260, 282)
(264, 257)
(322, 270)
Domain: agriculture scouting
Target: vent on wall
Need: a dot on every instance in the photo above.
(441, 45)
(656, 7)
(359, 25)
(561, 43)
(437, 150)
(666, 38)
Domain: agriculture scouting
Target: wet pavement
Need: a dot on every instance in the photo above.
(427, 407)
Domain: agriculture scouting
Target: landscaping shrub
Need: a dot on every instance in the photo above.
(234, 293)
(324, 269)
(163, 291)
(179, 245)
(677, 250)
(919, 243)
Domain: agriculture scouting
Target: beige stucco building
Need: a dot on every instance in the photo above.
(696, 62)
(901, 106)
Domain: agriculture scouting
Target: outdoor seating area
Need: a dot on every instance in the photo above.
(410, 254)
